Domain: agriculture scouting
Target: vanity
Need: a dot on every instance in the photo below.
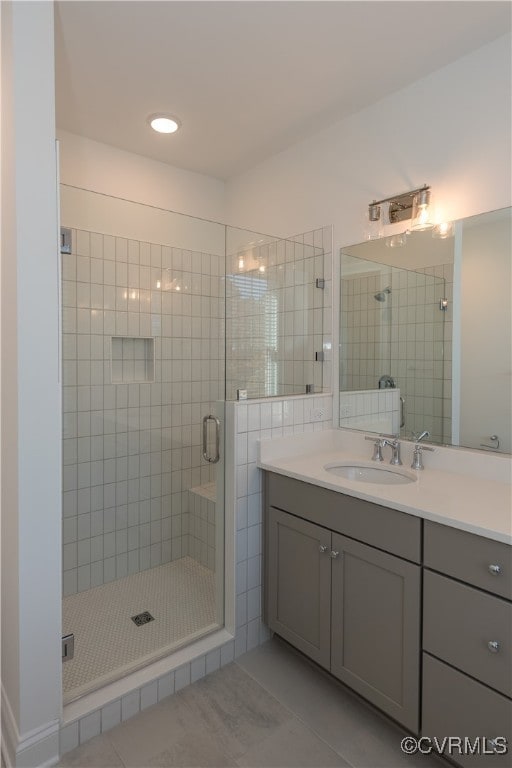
(403, 591)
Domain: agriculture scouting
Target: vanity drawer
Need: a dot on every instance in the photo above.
(381, 527)
(459, 623)
(456, 705)
(469, 557)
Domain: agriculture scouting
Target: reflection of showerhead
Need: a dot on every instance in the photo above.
(381, 295)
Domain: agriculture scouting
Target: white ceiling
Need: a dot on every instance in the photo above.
(247, 79)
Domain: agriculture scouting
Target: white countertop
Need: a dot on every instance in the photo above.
(464, 489)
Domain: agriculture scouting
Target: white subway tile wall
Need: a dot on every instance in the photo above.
(278, 321)
(405, 335)
(132, 442)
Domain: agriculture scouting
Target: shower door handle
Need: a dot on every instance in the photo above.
(402, 412)
(206, 457)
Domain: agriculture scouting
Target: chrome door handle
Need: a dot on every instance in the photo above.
(495, 570)
(334, 554)
(211, 459)
(493, 646)
(322, 548)
(402, 412)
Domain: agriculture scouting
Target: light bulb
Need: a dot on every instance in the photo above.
(421, 211)
(163, 123)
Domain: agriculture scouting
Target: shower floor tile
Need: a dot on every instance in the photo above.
(108, 644)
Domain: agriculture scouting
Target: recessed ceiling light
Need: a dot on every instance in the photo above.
(164, 123)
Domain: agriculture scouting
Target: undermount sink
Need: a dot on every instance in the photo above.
(368, 473)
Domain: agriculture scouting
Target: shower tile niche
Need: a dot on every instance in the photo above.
(132, 360)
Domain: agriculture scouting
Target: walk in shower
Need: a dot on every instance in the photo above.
(143, 358)
(149, 298)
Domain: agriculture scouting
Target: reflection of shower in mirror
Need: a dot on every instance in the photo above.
(381, 295)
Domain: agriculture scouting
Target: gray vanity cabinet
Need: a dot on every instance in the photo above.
(467, 642)
(352, 608)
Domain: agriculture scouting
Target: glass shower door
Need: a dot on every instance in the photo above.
(143, 364)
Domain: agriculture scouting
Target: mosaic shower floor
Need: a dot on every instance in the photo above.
(108, 644)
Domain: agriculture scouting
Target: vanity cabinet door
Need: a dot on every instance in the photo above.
(299, 583)
(375, 635)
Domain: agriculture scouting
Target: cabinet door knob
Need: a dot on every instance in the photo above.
(322, 548)
(334, 554)
(493, 646)
(495, 570)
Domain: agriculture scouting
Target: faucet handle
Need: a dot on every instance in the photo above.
(417, 458)
(378, 444)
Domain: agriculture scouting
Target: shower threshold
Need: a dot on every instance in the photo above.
(180, 596)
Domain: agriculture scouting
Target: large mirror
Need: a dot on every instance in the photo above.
(425, 334)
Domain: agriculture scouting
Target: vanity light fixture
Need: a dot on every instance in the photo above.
(414, 205)
(164, 123)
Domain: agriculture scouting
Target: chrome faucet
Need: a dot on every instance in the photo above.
(381, 442)
(417, 457)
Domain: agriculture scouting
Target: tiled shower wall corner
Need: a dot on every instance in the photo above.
(251, 422)
(406, 336)
(201, 524)
(132, 449)
(277, 318)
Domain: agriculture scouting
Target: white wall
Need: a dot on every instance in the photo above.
(107, 215)
(486, 350)
(99, 167)
(31, 425)
(450, 130)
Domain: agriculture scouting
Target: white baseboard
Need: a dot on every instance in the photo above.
(38, 748)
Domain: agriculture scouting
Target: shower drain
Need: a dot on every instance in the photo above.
(142, 618)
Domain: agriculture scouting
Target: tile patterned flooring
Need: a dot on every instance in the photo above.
(179, 595)
(269, 709)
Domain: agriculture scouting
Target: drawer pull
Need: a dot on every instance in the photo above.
(495, 570)
(322, 548)
(493, 646)
(334, 554)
